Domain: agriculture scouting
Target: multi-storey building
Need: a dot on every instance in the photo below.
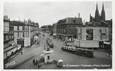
(18, 32)
(24, 32)
(31, 30)
(96, 30)
(47, 29)
(10, 46)
(66, 28)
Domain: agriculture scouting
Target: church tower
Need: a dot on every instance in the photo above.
(97, 16)
(103, 13)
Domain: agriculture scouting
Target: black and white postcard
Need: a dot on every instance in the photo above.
(57, 34)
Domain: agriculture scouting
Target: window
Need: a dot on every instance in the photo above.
(89, 35)
(26, 34)
(6, 29)
(20, 28)
(20, 34)
(6, 37)
(15, 28)
(103, 33)
(15, 34)
(9, 36)
(23, 28)
(74, 21)
(6, 26)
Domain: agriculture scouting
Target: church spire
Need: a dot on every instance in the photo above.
(97, 16)
(103, 13)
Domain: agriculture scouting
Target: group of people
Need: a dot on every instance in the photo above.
(107, 47)
(101, 44)
(37, 62)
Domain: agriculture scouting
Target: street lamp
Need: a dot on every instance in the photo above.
(80, 35)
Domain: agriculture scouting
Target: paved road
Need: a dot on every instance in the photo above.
(35, 51)
(29, 53)
(71, 59)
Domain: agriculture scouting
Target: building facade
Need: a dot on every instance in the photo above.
(66, 28)
(24, 32)
(96, 30)
(47, 28)
(10, 47)
(92, 36)
(17, 34)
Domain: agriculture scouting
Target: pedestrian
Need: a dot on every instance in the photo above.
(102, 44)
(52, 46)
(38, 65)
(21, 52)
(34, 61)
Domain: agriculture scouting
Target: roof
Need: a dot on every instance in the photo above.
(20, 23)
(17, 23)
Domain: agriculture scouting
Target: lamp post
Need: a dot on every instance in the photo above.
(80, 35)
(79, 38)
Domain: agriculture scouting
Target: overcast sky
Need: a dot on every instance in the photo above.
(50, 12)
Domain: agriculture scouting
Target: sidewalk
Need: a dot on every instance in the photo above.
(28, 54)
